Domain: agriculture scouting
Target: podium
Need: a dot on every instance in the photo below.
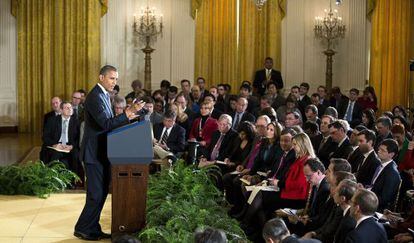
(129, 152)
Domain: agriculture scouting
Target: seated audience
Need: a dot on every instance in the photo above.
(215, 112)
(196, 98)
(118, 105)
(241, 114)
(245, 92)
(169, 137)
(291, 106)
(62, 133)
(364, 204)
(277, 99)
(350, 110)
(339, 136)
(201, 83)
(246, 135)
(331, 111)
(398, 134)
(304, 100)
(311, 114)
(368, 119)
(315, 100)
(150, 115)
(326, 145)
(210, 235)
(365, 167)
(55, 103)
(368, 99)
(275, 231)
(386, 180)
(203, 128)
(337, 98)
(293, 119)
(312, 130)
(383, 125)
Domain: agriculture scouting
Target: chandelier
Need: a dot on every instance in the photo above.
(329, 28)
(148, 25)
(260, 3)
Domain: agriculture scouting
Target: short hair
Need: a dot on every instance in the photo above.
(269, 58)
(306, 85)
(270, 112)
(316, 95)
(315, 164)
(173, 89)
(228, 87)
(385, 121)
(209, 95)
(116, 87)
(294, 87)
(226, 117)
(336, 90)
(107, 68)
(200, 78)
(271, 83)
(288, 130)
(266, 118)
(366, 200)
(323, 87)
(208, 104)
(369, 135)
(313, 108)
(356, 91)
(340, 164)
(403, 121)
(246, 86)
(388, 114)
(345, 124)
(157, 91)
(82, 91)
(347, 188)
(275, 229)
(233, 98)
(332, 112)
(331, 118)
(165, 83)
(295, 114)
(398, 128)
(391, 145)
(148, 100)
(209, 235)
(136, 82)
(292, 99)
(337, 124)
(169, 114)
(64, 103)
(360, 128)
(185, 81)
(119, 100)
(267, 98)
(342, 175)
(312, 126)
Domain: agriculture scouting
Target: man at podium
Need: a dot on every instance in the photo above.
(99, 120)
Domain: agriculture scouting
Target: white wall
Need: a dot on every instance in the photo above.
(173, 58)
(8, 59)
(302, 57)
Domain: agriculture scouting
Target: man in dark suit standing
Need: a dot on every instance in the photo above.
(350, 110)
(62, 132)
(364, 204)
(99, 120)
(168, 135)
(386, 180)
(268, 74)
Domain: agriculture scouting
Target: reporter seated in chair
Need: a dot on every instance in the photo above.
(62, 133)
(169, 137)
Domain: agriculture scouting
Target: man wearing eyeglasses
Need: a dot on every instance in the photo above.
(77, 105)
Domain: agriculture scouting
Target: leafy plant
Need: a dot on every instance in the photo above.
(182, 200)
(35, 179)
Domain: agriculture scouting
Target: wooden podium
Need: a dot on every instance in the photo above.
(130, 152)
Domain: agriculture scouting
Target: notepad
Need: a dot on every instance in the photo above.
(59, 150)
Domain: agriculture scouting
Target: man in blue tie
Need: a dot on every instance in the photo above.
(99, 120)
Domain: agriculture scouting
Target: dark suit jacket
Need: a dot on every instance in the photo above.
(292, 239)
(227, 145)
(278, 101)
(355, 159)
(318, 198)
(176, 138)
(265, 164)
(260, 80)
(368, 230)
(98, 122)
(336, 103)
(326, 233)
(386, 186)
(53, 130)
(282, 172)
(326, 150)
(303, 103)
(356, 112)
(246, 117)
(366, 171)
(346, 225)
(342, 151)
(47, 116)
(324, 211)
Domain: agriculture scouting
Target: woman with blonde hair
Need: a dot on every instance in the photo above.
(203, 127)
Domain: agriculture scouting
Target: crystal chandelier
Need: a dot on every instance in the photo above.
(260, 3)
(329, 28)
(147, 26)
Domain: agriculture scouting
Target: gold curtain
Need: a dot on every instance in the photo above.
(390, 48)
(260, 36)
(370, 7)
(216, 42)
(58, 52)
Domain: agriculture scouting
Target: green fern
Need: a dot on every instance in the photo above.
(35, 179)
(182, 200)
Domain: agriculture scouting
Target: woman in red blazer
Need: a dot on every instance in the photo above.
(204, 126)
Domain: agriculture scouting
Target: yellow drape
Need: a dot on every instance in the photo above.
(58, 52)
(216, 42)
(370, 7)
(260, 36)
(390, 48)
